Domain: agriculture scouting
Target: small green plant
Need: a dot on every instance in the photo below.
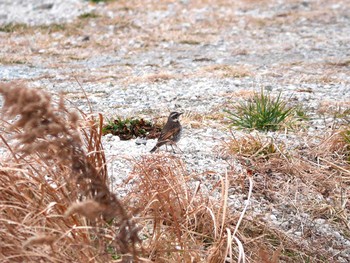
(88, 15)
(99, 1)
(262, 112)
(344, 115)
(130, 128)
(112, 251)
(52, 27)
(9, 28)
(300, 113)
(299, 118)
(346, 139)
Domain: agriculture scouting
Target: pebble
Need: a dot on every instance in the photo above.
(320, 221)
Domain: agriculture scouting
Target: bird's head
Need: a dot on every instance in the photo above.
(174, 116)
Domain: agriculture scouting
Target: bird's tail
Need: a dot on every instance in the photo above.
(154, 149)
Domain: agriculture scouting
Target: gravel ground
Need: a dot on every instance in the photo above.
(41, 12)
(147, 60)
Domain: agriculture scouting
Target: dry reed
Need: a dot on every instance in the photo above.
(50, 164)
(182, 220)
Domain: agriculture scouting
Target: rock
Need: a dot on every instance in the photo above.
(109, 136)
(141, 141)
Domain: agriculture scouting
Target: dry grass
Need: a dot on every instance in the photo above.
(312, 179)
(228, 71)
(197, 120)
(55, 202)
(254, 147)
(56, 205)
(159, 77)
(181, 222)
(337, 109)
(151, 78)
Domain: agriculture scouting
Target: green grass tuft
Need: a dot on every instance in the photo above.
(262, 112)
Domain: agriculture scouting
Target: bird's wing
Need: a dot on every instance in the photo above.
(168, 135)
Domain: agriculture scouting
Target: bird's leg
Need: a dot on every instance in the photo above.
(179, 148)
(172, 147)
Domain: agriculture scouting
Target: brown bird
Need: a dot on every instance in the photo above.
(171, 132)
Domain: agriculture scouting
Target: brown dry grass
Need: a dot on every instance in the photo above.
(55, 202)
(312, 179)
(56, 205)
(227, 71)
(181, 222)
(151, 78)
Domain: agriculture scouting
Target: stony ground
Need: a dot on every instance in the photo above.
(146, 58)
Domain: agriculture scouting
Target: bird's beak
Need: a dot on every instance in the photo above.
(180, 113)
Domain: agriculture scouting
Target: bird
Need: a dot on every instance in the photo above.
(171, 132)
